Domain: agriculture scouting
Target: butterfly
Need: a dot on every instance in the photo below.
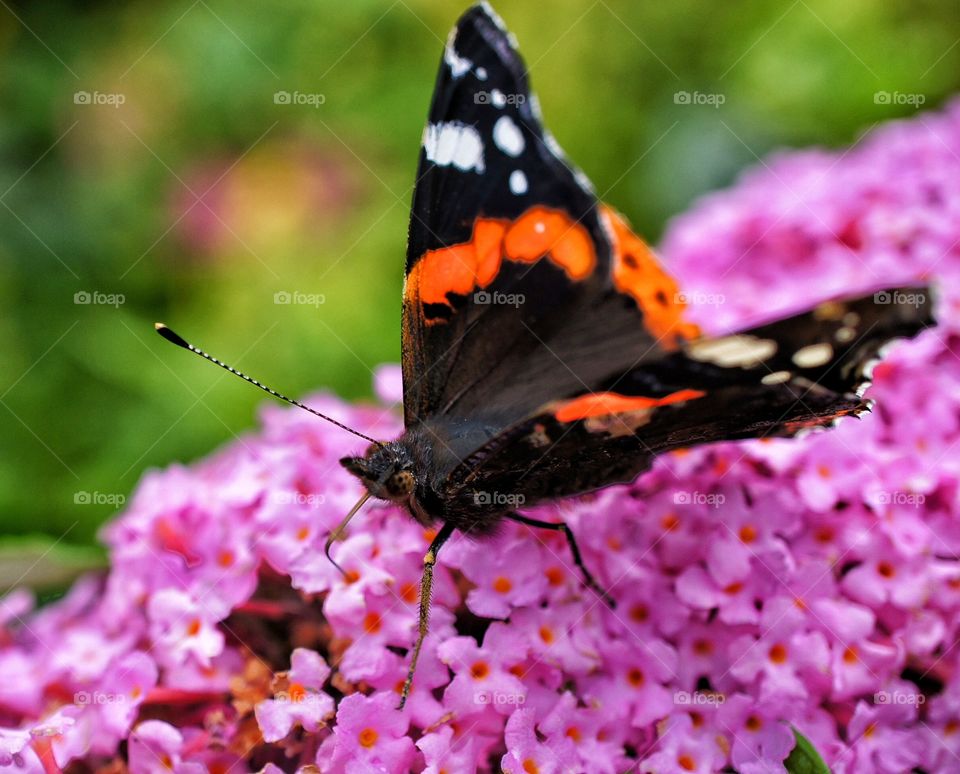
(546, 353)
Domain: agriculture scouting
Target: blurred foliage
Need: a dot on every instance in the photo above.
(199, 198)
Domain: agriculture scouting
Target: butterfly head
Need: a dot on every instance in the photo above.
(386, 470)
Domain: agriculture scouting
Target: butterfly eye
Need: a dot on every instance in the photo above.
(401, 483)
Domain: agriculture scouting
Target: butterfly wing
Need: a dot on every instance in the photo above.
(773, 380)
(520, 287)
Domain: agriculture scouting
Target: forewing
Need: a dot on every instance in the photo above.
(520, 287)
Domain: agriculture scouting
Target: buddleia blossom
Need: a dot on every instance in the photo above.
(761, 587)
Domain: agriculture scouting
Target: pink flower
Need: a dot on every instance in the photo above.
(525, 753)
(371, 733)
(157, 748)
(301, 702)
(183, 628)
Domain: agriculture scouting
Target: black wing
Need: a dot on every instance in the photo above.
(521, 288)
(773, 380)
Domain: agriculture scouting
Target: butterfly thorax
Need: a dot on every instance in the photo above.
(410, 473)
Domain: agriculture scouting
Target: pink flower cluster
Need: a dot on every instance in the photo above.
(811, 583)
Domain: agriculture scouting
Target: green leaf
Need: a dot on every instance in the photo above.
(44, 564)
(804, 759)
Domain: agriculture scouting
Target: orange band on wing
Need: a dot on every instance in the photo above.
(600, 404)
(637, 273)
(538, 233)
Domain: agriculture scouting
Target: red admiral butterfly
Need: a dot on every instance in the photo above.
(546, 353)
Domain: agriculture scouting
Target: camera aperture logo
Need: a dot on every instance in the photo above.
(699, 98)
(498, 698)
(697, 298)
(498, 99)
(298, 98)
(507, 499)
(98, 698)
(900, 298)
(99, 498)
(913, 99)
(298, 498)
(111, 99)
(296, 298)
(96, 298)
(712, 500)
(698, 698)
(496, 298)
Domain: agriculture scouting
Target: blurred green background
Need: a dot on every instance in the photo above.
(145, 163)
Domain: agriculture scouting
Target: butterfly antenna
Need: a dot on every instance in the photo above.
(338, 531)
(174, 338)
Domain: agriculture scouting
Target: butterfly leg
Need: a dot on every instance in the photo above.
(426, 588)
(559, 526)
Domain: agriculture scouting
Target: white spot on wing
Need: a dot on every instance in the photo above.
(518, 182)
(508, 137)
(481, 73)
(777, 377)
(459, 66)
(456, 144)
(813, 355)
(732, 351)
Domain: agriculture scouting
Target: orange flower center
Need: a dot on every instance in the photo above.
(554, 576)
(193, 628)
(748, 533)
(502, 585)
(480, 670)
(408, 592)
(297, 692)
(886, 570)
(753, 723)
(546, 634)
(372, 622)
(702, 647)
(778, 653)
(368, 737)
(670, 522)
(639, 612)
(635, 677)
(686, 762)
(530, 766)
